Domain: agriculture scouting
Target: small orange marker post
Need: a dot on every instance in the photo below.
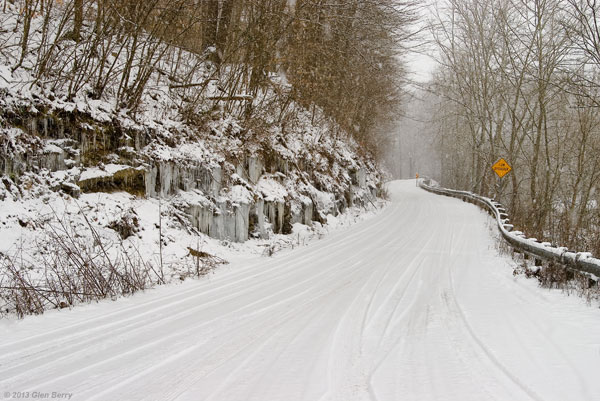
(417, 182)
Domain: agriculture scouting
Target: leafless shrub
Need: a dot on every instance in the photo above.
(570, 281)
(273, 247)
(17, 292)
(554, 276)
(68, 269)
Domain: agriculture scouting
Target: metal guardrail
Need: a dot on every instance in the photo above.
(580, 261)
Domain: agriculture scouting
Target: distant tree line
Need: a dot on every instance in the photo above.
(520, 79)
(341, 57)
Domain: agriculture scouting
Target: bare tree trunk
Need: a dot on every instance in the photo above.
(28, 13)
(223, 28)
(210, 23)
(77, 20)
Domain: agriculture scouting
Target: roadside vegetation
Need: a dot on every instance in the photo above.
(250, 59)
(519, 80)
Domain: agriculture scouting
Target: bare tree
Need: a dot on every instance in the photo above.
(516, 80)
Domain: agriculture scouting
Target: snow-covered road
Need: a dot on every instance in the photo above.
(413, 304)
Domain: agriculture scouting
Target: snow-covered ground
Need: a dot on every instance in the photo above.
(412, 304)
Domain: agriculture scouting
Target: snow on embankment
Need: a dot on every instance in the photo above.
(235, 174)
(142, 190)
(230, 185)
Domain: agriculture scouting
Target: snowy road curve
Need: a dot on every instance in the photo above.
(413, 304)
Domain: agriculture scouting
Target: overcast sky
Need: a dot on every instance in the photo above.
(421, 67)
(420, 64)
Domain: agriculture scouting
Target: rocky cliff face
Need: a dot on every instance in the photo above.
(228, 181)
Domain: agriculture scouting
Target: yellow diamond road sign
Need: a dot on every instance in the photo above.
(501, 167)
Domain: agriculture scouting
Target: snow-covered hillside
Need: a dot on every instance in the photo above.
(142, 191)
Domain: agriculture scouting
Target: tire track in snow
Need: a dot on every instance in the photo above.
(257, 341)
(62, 345)
(359, 381)
(319, 318)
(50, 360)
(34, 365)
(381, 230)
(385, 229)
(484, 350)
